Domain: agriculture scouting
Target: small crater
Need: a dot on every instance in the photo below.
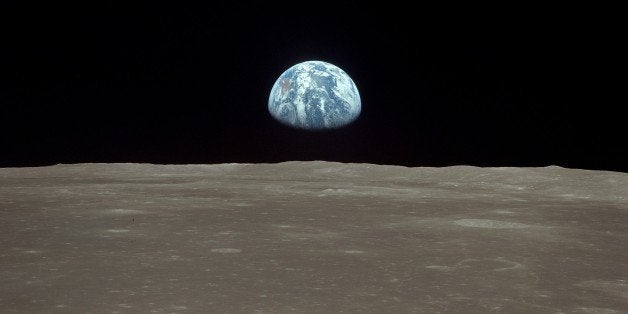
(481, 265)
(505, 212)
(336, 192)
(321, 236)
(118, 230)
(229, 232)
(487, 264)
(284, 226)
(440, 267)
(175, 258)
(122, 211)
(226, 250)
(490, 224)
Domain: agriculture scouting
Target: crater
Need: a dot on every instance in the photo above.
(118, 230)
(490, 224)
(226, 250)
(354, 252)
(122, 211)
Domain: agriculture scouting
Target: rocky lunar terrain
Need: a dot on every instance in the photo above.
(312, 237)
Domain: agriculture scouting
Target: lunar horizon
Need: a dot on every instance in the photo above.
(312, 237)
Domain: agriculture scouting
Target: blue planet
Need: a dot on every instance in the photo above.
(314, 95)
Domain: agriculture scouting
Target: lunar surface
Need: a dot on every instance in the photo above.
(312, 237)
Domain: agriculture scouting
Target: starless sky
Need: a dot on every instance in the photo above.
(177, 83)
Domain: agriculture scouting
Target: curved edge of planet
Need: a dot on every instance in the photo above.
(314, 96)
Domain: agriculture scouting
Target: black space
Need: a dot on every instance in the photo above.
(188, 83)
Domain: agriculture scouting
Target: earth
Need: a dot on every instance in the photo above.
(314, 95)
